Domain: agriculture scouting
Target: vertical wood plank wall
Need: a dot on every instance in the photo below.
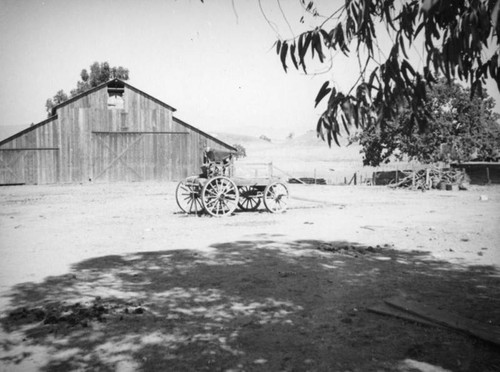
(89, 141)
(33, 157)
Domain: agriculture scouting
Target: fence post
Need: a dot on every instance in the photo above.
(488, 175)
(315, 176)
(270, 165)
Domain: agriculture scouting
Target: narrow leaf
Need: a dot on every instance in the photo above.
(292, 54)
(284, 50)
(322, 93)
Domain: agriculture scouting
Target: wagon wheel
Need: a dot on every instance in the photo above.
(276, 197)
(188, 197)
(249, 198)
(220, 196)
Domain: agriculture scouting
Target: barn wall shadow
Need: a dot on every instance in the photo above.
(261, 304)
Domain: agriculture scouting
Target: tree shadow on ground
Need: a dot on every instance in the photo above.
(263, 304)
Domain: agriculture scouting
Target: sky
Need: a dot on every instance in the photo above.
(213, 61)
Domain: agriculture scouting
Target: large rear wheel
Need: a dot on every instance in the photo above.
(188, 196)
(220, 196)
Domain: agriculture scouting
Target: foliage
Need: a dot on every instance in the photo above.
(265, 138)
(241, 152)
(462, 128)
(460, 39)
(58, 98)
(99, 74)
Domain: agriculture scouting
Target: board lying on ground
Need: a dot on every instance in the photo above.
(425, 314)
(214, 191)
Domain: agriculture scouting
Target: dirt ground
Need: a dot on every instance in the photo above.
(114, 277)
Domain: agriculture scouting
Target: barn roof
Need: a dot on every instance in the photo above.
(77, 97)
(222, 143)
(95, 89)
(27, 130)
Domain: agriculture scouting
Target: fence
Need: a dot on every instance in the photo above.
(354, 174)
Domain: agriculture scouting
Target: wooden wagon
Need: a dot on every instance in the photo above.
(219, 194)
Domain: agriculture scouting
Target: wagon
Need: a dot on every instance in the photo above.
(219, 194)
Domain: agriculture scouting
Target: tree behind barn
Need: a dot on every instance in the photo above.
(99, 74)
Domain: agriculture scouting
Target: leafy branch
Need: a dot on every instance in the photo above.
(456, 37)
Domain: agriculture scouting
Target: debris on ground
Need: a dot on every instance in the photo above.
(433, 178)
(403, 308)
(347, 249)
(308, 180)
(70, 315)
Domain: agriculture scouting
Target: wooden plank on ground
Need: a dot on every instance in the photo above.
(486, 332)
(385, 309)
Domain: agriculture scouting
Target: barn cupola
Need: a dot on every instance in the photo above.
(116, 88)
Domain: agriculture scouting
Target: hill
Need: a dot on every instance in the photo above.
(303, 156)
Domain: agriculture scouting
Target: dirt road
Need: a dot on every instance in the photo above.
(264, 272)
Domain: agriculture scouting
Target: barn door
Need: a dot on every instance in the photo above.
(12, 167)
(117, 156)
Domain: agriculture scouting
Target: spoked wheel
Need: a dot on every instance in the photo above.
(188, 196)
(249, 198)
(276, 197)
(220, 196)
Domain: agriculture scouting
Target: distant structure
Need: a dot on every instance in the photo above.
(113, 132)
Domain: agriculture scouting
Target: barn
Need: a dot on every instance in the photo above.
(113, 132)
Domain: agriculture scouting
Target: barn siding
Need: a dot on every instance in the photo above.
(89, 141)
(32, 156)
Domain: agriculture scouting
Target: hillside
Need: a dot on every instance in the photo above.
(303, 156)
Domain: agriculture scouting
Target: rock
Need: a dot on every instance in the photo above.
(483, 197)
(260, 361)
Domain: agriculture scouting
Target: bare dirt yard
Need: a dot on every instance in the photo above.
(115, 278)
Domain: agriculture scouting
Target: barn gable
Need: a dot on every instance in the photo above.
(114, 132)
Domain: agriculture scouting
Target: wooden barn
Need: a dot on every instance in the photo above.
(114, 132)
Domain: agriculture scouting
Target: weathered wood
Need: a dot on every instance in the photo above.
(63, 149)
(130, 132)
(486, 332)
(13, 167)
(32, 149)
(287, 174)
(118, 157)
(385, 309)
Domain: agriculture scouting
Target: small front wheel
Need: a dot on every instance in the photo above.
(220, 196)
(276, 197)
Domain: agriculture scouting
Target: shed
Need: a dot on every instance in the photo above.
(113, 132)
(481, 173)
